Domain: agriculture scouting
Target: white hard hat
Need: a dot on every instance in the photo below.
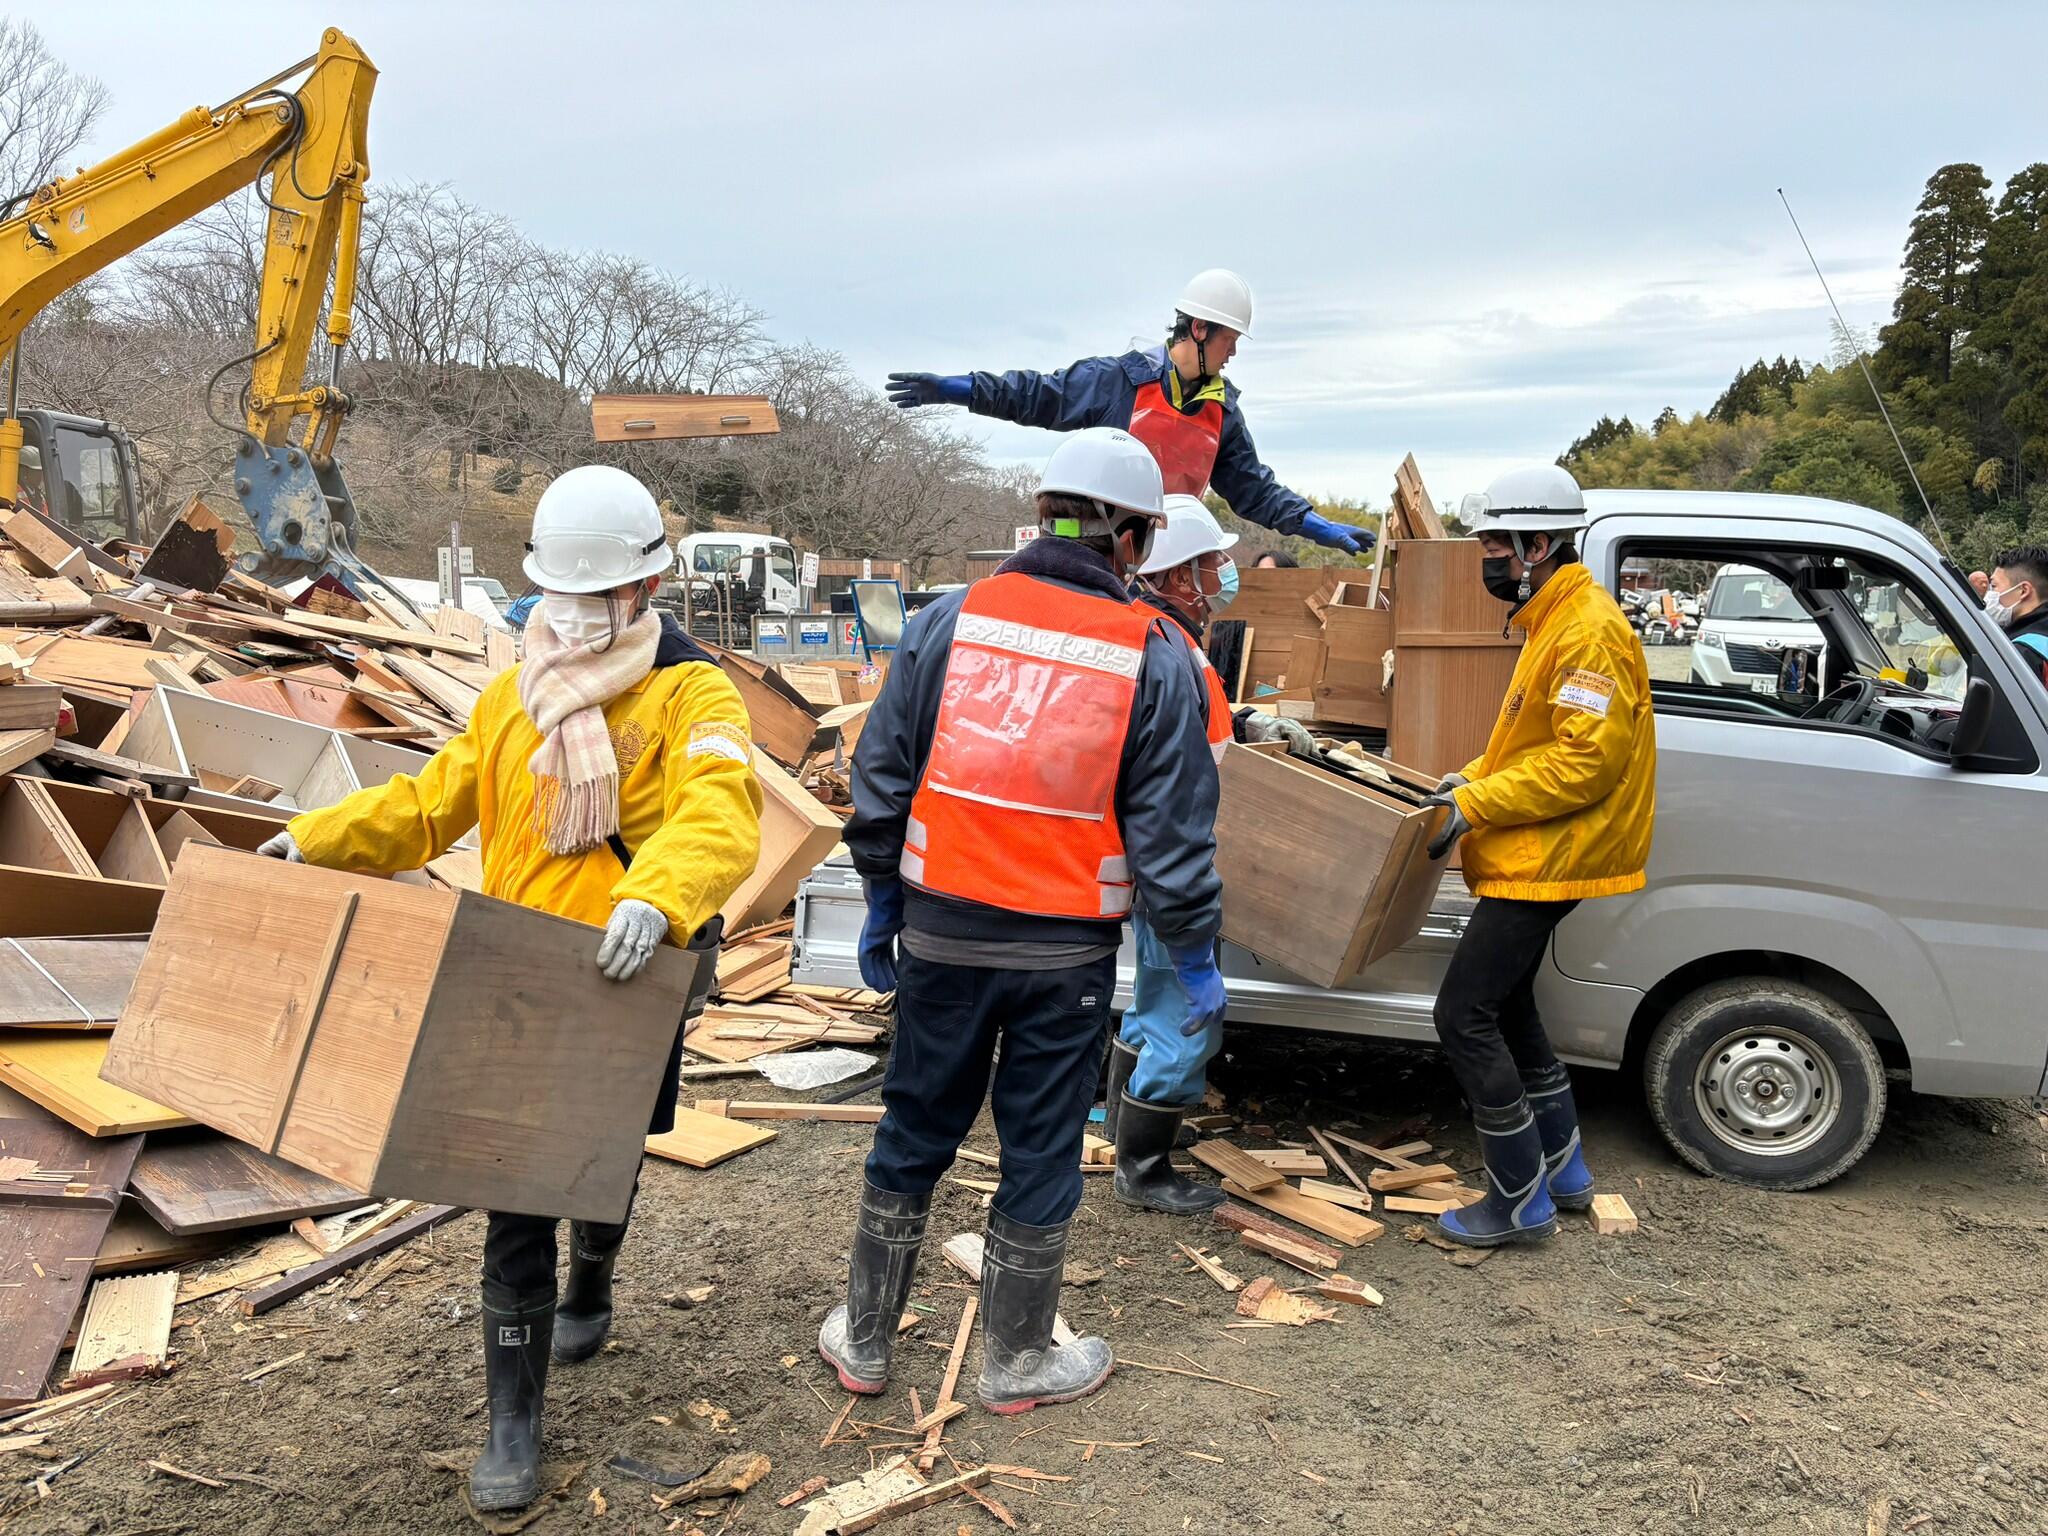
(1106, 464)
(1191, 531)
(595, 528)
(1541, 499)
(1219, 296)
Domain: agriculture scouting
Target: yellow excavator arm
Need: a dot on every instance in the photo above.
(311, 143)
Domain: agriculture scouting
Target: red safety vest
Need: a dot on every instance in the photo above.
(1184, 443)
(1220, 731)
(1017, 806)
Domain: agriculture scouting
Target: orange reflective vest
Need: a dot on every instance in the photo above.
(1220, 723)
(1184, 443)
(1017, 806)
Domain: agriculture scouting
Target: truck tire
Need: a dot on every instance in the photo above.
(1765, 1082)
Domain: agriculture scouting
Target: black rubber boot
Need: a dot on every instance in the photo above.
(1122, 1058)
(584, 1316)
(1021, 1273)
(860, 1334)
(1144, 1168)
(517, 1328)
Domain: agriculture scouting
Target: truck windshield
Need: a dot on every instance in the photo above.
(1755, 597)
(714, 559)
(783, 563)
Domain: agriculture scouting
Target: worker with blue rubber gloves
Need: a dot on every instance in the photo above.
(1557, 810)
(1034, 766)
(1157, 1063)
(1173, 398)
(610, 779)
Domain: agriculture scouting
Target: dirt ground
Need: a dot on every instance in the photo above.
(1862, 1358)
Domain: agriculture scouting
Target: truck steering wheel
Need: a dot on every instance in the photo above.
(1845, 703)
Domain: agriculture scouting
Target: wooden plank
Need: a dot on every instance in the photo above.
(46, 1255)
(1418, 1205)
(179, 830)
(1393, 1157)
(196, 1182)
(1337, 1162)
(1353, 1292)
(1233, 1162)
(1210, 1267)
(34, 835)
(279, 1255)
(44, 902)
(1613, 1216)
(136, 1240)
(303, 624)
(797, 833)
(704, 1141)
(910, 1503)
(446, 1007)
(18, 747)
(30, 706)
(450, 694)
(1412, 498)
(126, 1327)
(1290, 1162)
(1242, 1220)
(1302, 1256)
(1343, 1226)
(744, 1109)
(651, 418)
(132, 852)
(1337, 1194)
(300, 1281)
(1394, 1180)
(66, 983)
(961, 1335)
(62, 1073)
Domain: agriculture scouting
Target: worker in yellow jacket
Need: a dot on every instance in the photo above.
(1557, 810)
(610, 778)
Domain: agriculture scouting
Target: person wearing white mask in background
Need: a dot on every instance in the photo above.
(1158, 1061)
(2016, 596)
(610, 778)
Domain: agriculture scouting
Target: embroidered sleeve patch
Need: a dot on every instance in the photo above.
(1588, 691)
(718, 738)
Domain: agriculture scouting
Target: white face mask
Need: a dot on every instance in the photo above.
(1995, 605)
(579, 618)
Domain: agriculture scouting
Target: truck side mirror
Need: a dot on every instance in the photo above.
(1973, 724)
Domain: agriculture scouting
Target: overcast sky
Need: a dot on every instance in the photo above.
(1470, 229)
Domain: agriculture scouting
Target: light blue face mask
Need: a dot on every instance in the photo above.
(1226, 592)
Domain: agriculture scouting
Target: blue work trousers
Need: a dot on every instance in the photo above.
(1172, 1067)
(950, 1020)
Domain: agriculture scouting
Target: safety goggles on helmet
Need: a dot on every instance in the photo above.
(586, 557)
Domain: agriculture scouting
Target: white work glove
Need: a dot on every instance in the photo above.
(1451, 781)
(283, 846)
(629, 938)
(1259, 726)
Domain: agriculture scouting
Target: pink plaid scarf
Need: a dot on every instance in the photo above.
(564, 689)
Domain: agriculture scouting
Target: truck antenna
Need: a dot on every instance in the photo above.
(1875, 393)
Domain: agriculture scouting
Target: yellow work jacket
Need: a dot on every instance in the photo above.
(1562, 800)
(689, 805)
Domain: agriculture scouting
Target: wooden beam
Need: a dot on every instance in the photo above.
(1302, 1256)
(655, 418)
(1232, 1162)
(300, 1281)
(1394, 1180)
(744, 1109)
(1613, 1216)
(1341, 1225)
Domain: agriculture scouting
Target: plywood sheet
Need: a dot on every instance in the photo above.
(199, 1181)
(127, 1323)
(66, 983)
(131, 851)
(61, 1072)
(46, 1254)
(704, 1141)
(137, 1240)
(797, 833)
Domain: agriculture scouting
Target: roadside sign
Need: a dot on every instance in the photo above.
(814, 631)
(867, 569)
(851, 633)
(444, 570)
(777, 634)
(810, 573)
(1026, 535)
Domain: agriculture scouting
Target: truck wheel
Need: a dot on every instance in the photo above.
(1765, 1082)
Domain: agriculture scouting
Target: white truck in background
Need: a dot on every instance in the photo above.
(754, 572)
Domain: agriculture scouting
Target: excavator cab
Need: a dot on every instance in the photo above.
(81, 473)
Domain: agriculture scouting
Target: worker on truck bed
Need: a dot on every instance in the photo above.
(2016, 597)
(1556, 810)
(1157, 1063)
(1034, 764)
(610, 777)
(1172, 398)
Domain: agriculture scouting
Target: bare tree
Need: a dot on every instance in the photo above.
(46, 110)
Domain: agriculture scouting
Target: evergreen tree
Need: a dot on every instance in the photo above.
(1605, 432)
(1937, 304)
(1756, 388)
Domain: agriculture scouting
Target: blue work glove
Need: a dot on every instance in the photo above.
(630, 938)
(1353, 541)
(1203, 984)
(1455, 825)
(907, 391)
(878, 933)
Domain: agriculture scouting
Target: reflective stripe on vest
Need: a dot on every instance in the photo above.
(1017, 805)
(1217, 699)
(1185, 444)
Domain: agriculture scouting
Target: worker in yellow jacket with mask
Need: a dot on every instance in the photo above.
(1556, 811)
(611, 781)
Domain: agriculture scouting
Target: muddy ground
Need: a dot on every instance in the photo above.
(1864, 1357)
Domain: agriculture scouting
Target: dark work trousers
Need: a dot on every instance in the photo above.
(1486, 1007)
(949, 1022)
(519, 1251)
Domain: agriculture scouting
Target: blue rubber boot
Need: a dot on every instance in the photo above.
(1517, 1207)
(1557, 1121)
